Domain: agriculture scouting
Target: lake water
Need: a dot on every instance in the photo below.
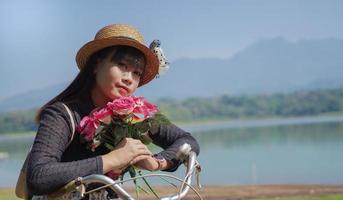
(289, 151)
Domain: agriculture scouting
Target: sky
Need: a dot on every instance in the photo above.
(40, 38)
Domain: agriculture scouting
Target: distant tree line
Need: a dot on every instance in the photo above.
(300, 103)
(18, 121)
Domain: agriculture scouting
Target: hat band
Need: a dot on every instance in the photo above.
(120, 37)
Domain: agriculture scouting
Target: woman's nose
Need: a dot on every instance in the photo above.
(127, 77)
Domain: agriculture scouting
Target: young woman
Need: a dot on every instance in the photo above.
(113, 65)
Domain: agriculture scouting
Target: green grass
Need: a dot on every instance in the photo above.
(18, 134)
(7, 194)
(329, 197)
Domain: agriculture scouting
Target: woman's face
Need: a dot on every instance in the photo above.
(118, 74)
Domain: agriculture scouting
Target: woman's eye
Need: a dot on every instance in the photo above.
(138, 73)
(122, 65)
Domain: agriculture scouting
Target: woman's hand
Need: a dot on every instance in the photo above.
(149, 163)
(153, 164)
(129, 151)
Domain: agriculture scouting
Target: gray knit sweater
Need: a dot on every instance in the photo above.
(53, 163)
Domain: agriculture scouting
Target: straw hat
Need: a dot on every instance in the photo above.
(120, 34)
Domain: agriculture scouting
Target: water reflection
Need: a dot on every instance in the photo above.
(16, 147)
(296, 154)
(315, 134)
(302, 153)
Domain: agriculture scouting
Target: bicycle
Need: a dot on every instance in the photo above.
(77, 187)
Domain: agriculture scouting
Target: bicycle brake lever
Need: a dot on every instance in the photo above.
(80, 189)
(197, 172)
(183, 152)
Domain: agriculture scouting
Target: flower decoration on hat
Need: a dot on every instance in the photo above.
(155, 47)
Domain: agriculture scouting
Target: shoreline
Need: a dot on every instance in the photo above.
(263, 122)
(199, 126)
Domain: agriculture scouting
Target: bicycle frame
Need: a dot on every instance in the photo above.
(185, 154)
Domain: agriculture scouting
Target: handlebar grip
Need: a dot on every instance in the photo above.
(65, 189)
(184, 152)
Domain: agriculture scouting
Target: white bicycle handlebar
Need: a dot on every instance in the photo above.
(185, 154)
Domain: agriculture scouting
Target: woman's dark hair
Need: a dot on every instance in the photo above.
(84, 81)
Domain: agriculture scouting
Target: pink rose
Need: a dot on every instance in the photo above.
(87, 127)
(143, 109)
(121, 106)
(103, 115)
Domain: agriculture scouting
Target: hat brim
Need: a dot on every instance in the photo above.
(151, 67)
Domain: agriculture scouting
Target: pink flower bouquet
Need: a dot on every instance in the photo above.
(123, 117)
(116, 120)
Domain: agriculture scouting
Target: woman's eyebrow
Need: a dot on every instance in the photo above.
(136, 62)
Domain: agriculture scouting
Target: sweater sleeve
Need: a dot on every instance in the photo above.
(170, 138)
(46, 172)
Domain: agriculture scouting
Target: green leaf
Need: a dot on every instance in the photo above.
(132, 172)
(141, 188)
(168, 181)
(150, 188)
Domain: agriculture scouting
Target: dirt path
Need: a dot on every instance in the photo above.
(253, 192)
(241, 192)
(260, 191)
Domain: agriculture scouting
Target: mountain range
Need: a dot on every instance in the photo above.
(267, 66)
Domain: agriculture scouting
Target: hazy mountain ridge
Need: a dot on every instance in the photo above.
(265, 67)
(35, 98)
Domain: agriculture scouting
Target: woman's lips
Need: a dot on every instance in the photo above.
(123, 91)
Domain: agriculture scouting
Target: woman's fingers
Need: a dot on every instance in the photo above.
(131, 151)
(139, 158)
(140, 152)
(136, 145)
